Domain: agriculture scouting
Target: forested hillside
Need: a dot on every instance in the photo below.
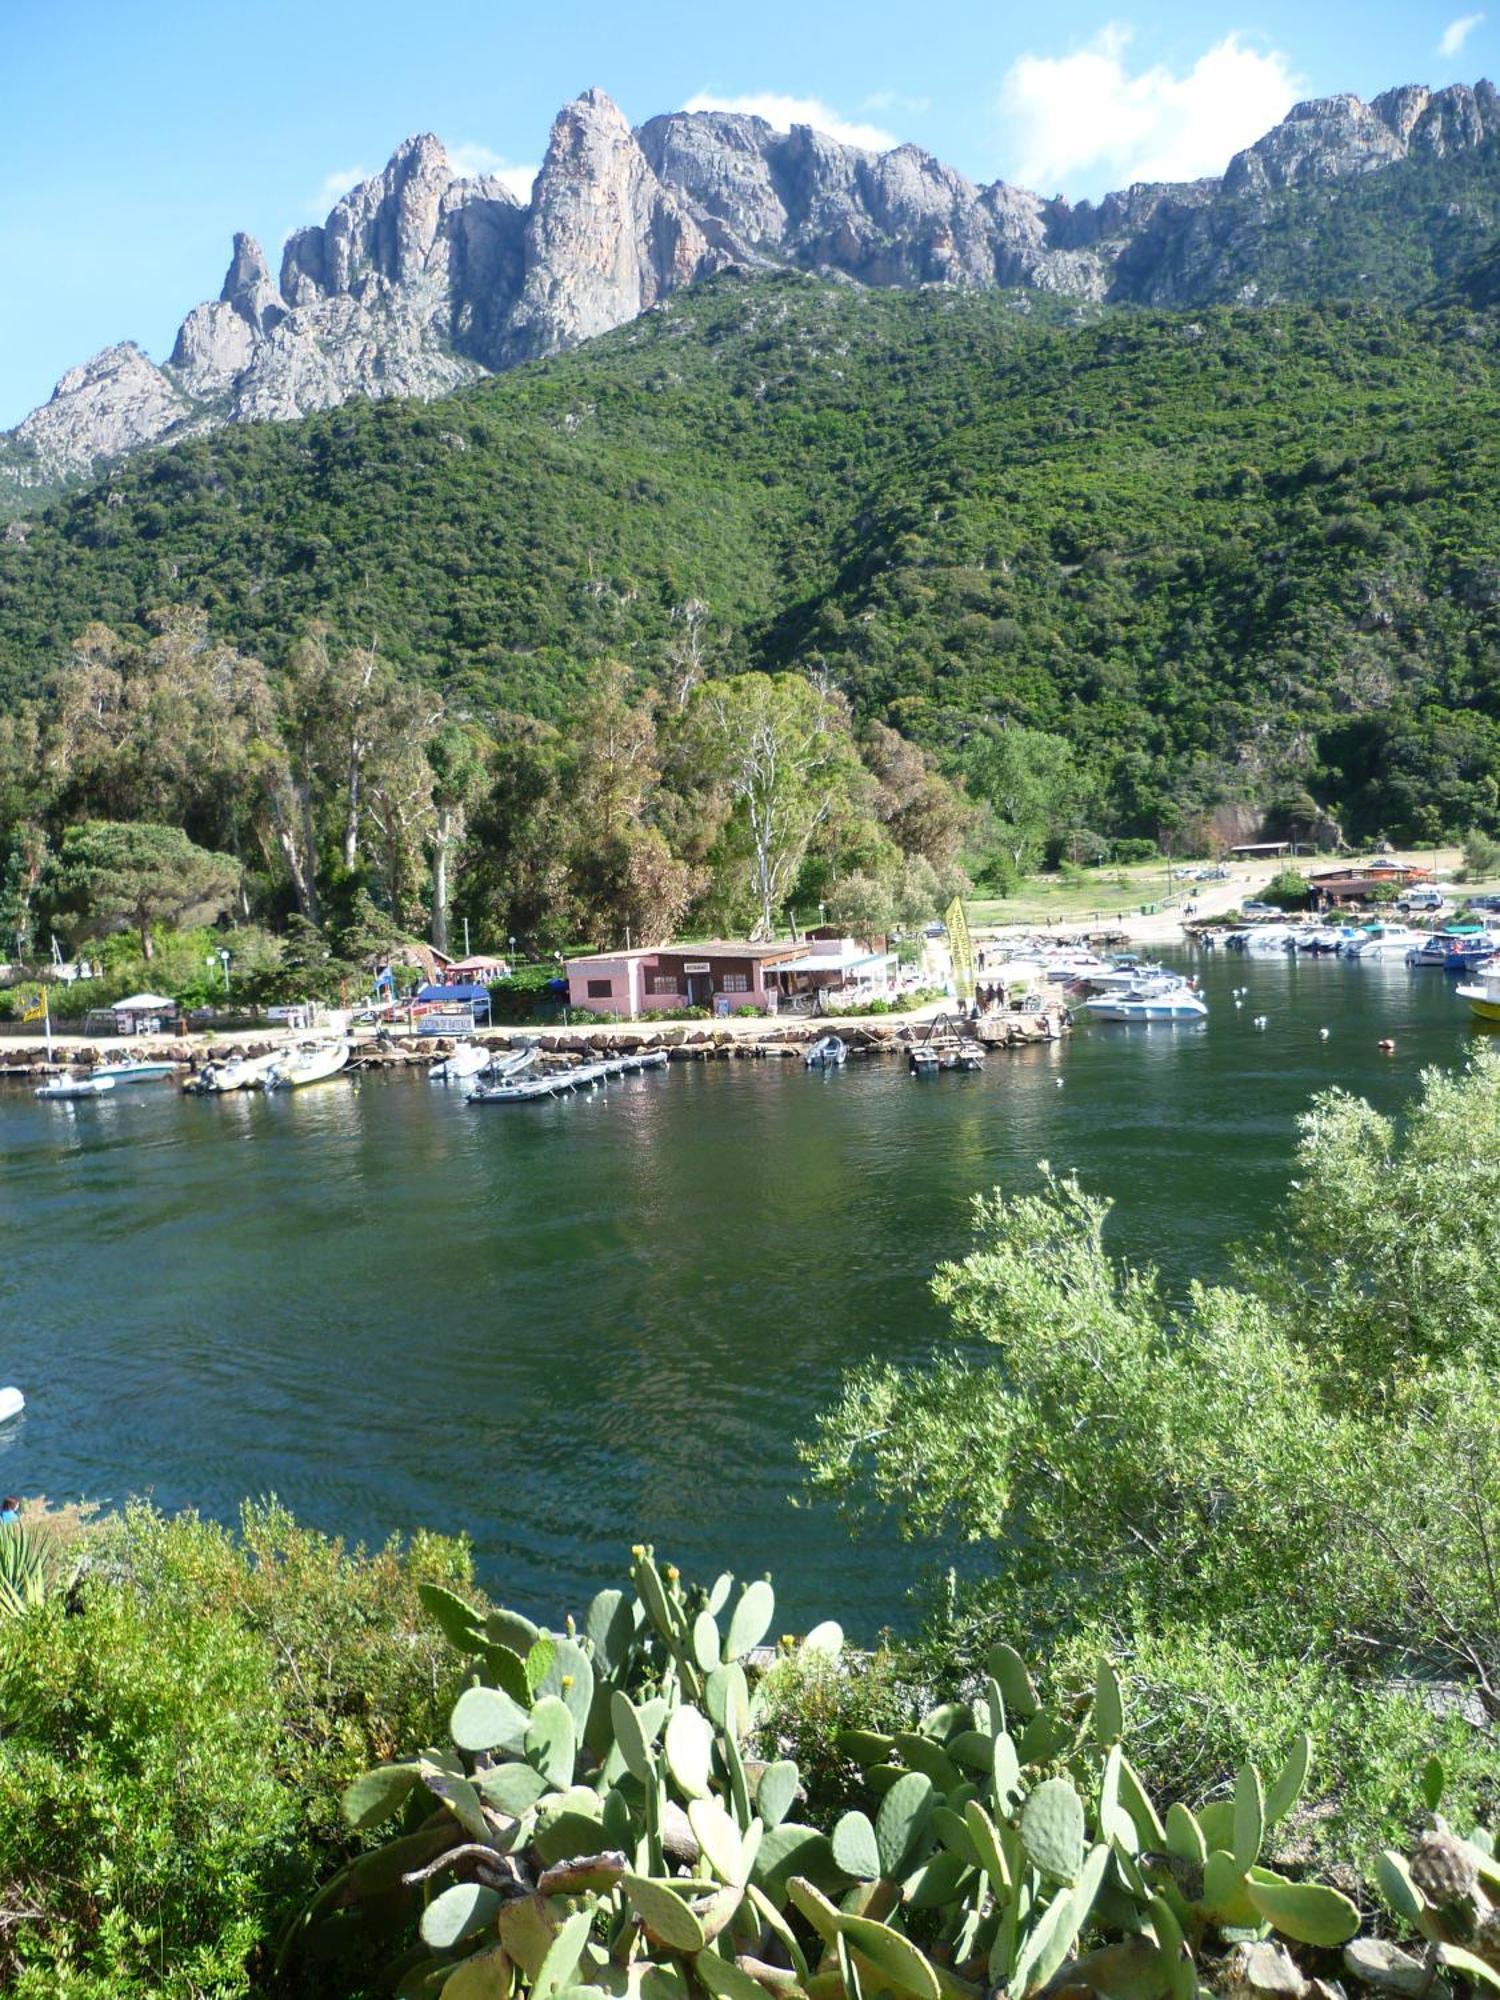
(1228, 554)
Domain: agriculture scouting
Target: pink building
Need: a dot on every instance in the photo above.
(722, 976)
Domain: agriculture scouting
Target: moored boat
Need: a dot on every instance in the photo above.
(1456, 948)
(1483, 995)
(828, 1052)
(467, 1059)
(1168, 999)
(231, 1073)
(309, 1062)
(75, 1086)
(1381, 941)
(132, 1069)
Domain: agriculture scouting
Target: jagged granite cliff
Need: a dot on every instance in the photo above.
(420, 281)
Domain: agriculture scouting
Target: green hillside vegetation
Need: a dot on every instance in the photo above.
(1223, 554)
(1394, 236)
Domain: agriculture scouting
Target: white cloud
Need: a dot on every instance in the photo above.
(333, 186)
(1083, 122)
(784, 112)
(471, 160)
(1457, 33)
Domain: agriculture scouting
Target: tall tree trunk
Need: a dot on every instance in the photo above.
(445, 836)
(440, 897)
(351, 813)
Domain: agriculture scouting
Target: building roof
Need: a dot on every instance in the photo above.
(142, 1003)
(709, 948)
(833, 961)
(1362, 871)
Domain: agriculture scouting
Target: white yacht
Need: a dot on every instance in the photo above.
(1165, 999)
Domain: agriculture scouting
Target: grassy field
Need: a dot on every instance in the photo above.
(1075, 899)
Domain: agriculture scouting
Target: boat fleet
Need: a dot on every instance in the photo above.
(1119, 987)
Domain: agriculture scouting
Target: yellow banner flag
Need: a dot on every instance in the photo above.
(36, 1010)
(960, 949)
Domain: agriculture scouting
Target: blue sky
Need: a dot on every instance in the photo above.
(137, 135)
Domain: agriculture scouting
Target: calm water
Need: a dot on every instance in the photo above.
(567, 1326)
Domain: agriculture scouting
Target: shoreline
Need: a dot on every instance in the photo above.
(762, 1036)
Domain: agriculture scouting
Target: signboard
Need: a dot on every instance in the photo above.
(447, 1021)
(697, 965)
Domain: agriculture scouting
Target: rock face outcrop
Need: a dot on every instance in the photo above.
(420, 281)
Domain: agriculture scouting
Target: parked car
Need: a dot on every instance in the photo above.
(1430, 901)
(1254, 909)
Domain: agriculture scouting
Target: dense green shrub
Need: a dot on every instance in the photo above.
(1173, 1473)
(176, 1736)
(1289, 890)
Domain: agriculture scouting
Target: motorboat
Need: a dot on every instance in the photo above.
(1122, 973)
(1456, 948)
(828, 1052)
(1168, 999)
(132, 1069)
(231, 1073)
(519, 1090)
(75, 1086)
(12, 1402)
(1483, 995)
(309, 1062)
(1381, 941)
(467, 1059)
(1265, 938)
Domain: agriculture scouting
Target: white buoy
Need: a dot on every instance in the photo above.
(1322, 1034)
(12, 1402)
(1260, 1020)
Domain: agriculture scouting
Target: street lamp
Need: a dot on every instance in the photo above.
(224, 961)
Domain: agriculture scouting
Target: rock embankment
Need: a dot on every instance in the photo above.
(684, 1041)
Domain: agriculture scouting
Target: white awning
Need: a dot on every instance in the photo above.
(830, 961)
(144, 1003)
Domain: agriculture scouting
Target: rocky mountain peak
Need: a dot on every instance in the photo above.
(419, 280)
(604, 238)
(1328, 138)
(248, 286)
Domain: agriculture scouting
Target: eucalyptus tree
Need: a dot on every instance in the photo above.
(783, 747)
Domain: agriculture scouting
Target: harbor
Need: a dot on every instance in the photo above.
(378, 1302)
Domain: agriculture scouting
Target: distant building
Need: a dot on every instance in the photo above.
(1360, 884)
(724, 975)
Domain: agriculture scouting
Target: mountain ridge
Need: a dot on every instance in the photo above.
(421, 281)
(1225, 554)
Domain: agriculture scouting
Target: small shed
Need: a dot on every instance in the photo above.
(145, 1014)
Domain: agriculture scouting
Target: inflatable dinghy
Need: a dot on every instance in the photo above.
(12, 1402)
